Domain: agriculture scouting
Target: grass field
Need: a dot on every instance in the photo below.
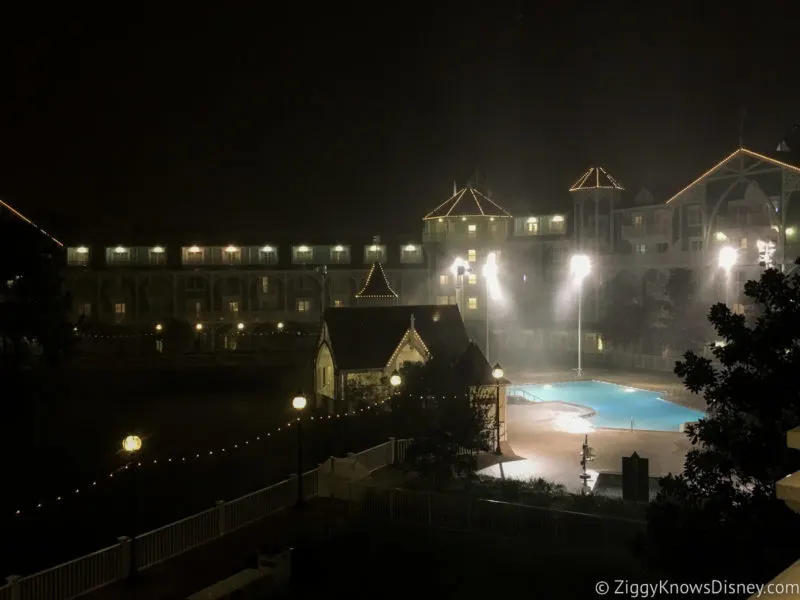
(72, 439)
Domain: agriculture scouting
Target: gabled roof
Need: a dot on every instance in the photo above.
(363, 338)
(23, 218)
(740, 152)
(473, 369)
(596, 178)
(376, 286)
(468, 202)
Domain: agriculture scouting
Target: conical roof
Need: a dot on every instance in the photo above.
(376, 286)
(468, 202)
(596, 178)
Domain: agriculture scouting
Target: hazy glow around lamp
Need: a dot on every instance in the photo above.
(132, 443)
(299, 402)
(497, 371)
(395, 380)
(580, 266)
(727, 257)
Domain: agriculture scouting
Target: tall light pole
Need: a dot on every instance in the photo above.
(492, 289)
(497, 373)
(727, 259)
(299, 403)
(131, 446)
(580, 266)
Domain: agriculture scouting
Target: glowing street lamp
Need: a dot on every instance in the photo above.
(299, 403)
(580, 266)
(395, 380)
(131, 445)
(728, 256)
(497, 373)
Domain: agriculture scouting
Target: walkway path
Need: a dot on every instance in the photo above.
(190, 572)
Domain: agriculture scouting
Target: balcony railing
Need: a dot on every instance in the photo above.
(743, 221)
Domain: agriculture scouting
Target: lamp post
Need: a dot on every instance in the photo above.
(497, 373)
(299, 403)
(459, 268)
(727, 259)
(131, 445)
(580, 266)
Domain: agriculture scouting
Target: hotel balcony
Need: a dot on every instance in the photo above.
(743, 221)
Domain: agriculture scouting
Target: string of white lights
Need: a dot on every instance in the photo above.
(186, 457)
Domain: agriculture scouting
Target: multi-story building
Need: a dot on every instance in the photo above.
(748, 203)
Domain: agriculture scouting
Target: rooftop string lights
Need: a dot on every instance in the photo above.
(183, 458)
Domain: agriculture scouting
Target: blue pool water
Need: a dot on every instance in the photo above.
(613, 404)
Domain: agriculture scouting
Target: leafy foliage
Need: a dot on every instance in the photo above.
(34, 312)
(364, 392)
(444, 419)
(724, 501)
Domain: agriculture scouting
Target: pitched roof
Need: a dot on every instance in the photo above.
(376, 286)
(739, 152)
(365, 337)
(473, 368)
(596, 178)
(468, 202)
(13, 211)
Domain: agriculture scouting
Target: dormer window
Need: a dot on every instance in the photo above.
(302, 254)
(411, 254)
(374, 253)
(118, 255)
(78, 257)
(231, 255)
(268, 255)
(193, 255)
(156, 255)
(340, 255)
(532, 225)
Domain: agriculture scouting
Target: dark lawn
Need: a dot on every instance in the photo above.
(73, 440)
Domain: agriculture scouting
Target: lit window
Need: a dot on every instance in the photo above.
(472, 303)
(268, 255)
(738, 309)
(472, 255)
(442, 300)
(156, 255)
(638, 220)
(472, 278)
(265, 285)
(231, 255)
(443, 279)
(193, 255)
(640, 248)
(233, 307)
(119, 311)
(304, 306)
(533, 226)
(743, 243)
(338, 303)
(696, 245)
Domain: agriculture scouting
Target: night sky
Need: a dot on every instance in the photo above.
(358, 117)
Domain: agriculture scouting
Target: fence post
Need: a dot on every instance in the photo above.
(392, 451)
(16, 591)
(221, 524)
(124, 557)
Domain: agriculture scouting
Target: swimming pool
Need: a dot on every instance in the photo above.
(614, 405)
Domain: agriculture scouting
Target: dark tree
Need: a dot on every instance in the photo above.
(34, 311)
(720, 517)
(448, 422)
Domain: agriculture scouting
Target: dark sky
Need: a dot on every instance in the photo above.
(359, 116)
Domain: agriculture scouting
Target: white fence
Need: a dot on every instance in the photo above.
(104, 567)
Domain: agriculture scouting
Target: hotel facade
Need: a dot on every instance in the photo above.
(748, 201)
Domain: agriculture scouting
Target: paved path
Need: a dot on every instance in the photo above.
(190, 572)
